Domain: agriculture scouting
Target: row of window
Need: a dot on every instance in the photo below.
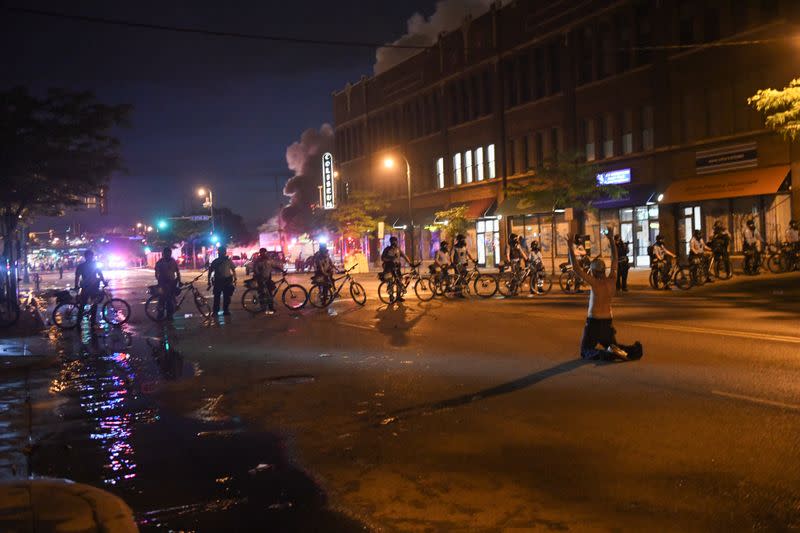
(531, 151)
(613, 134)
(532, 74)
(468, 167)
(470, 97)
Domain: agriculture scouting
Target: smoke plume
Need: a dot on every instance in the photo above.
(304, 158)
(449, 15)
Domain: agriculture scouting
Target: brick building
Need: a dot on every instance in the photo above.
(621, 81)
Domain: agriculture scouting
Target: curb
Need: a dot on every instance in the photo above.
(26, 352)
(61, 505)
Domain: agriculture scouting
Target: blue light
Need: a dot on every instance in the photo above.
(162, 224)
(147, 250)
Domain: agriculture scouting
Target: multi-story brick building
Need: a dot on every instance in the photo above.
(622, 81)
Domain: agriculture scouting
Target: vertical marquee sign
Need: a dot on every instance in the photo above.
(328, 196)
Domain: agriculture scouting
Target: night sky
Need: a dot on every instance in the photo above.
(208, 110)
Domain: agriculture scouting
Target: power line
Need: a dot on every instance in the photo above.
(213, 33)
(331, 42)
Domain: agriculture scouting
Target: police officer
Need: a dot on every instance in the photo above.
(168, 277)
(623, 263)
(222, 275)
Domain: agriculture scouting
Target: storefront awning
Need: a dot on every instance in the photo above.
(637, 196)
(752, 182)
(515, 206)
(477, 208)
(422, 217)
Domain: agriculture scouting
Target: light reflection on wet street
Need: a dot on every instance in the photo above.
(202, 470)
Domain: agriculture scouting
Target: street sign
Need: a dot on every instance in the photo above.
(199, 218)
(328, 200)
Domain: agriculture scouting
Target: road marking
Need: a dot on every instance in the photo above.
(722, 332)
(753, 399)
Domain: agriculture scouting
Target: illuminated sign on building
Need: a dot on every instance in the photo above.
(615, 177)
(328, 196)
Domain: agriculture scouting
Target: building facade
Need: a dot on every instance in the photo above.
(654, 92)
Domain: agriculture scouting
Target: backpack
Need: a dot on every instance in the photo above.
(651, 251)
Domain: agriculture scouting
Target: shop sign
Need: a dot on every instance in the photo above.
(614, 177)
(328, 200)
(730, 157)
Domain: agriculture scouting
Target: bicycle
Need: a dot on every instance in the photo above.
(783, 259)
(452, 285)
(529, 276)
(699, 271)
(676, 275)
(114, 311)
(568, 280)
(391, 287)
(323, 293)
(484, 285)
(155, 311)
(293, 296)
(721, 266)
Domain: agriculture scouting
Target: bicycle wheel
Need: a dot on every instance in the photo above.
(682, 279)
(654, 278)
(567, 282)
(294, 297)
(65, 315)
(387, 292)
(202, 304)
(485, 285)
(252, 302)
(320, 295)
(507, 286)
(424, 289)
(545, 282)
(698, 276)
(153, 310)
(116, 311)
(774, 264)
(357, 293)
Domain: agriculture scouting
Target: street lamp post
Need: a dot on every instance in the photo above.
(389, 163)
(209, 194)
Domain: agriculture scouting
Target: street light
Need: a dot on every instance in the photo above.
(209, 196)
(389, 163)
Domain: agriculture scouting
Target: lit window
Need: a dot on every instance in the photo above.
(468, 166)
(490, 161)
(440, 172)
(457, 169)
(479, 164)
(627, 143)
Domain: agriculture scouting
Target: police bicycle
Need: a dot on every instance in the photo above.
(293, 296)
(154, 306)
(323, 292)
(392, 286)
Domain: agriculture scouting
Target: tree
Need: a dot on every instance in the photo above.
(781, 107)
(450, 221)
(567, 181)
(230, 227)
(359, 215)
(54, 153)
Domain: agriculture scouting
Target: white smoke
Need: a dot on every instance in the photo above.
(449, 15)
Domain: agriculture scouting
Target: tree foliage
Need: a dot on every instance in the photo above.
(54, 151)
(781, 108)
(229, 226)
(359, 215)
(450, 221)
(567, 181)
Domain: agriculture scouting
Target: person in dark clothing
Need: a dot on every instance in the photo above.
(623, 263)
(168, 277)
(222, 275)
(88, 278)
(390, 258)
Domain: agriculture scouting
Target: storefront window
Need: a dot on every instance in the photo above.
(777, 215)
(488, 242)
(743, 209)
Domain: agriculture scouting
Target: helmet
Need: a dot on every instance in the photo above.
(597, 266)
(460, 238)
(166, 252)
(513, 238)
(262, 251)
(534, 245)
(223, 250)
(323, 247)
(751, 223)
(659, 238)
(697, 234)
(443, 245)
(88, 254)
(793, 224)
(718, 225)
(392, 240)
(578, 239)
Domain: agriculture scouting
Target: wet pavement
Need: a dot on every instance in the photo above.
(95, 418)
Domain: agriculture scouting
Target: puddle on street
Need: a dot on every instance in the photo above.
(200, 472)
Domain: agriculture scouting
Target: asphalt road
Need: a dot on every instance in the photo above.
(478, 415)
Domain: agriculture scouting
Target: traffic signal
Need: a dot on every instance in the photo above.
(162, 224)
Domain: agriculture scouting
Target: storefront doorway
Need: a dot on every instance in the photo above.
(638, 227)
(488, 242)
(691, 219)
